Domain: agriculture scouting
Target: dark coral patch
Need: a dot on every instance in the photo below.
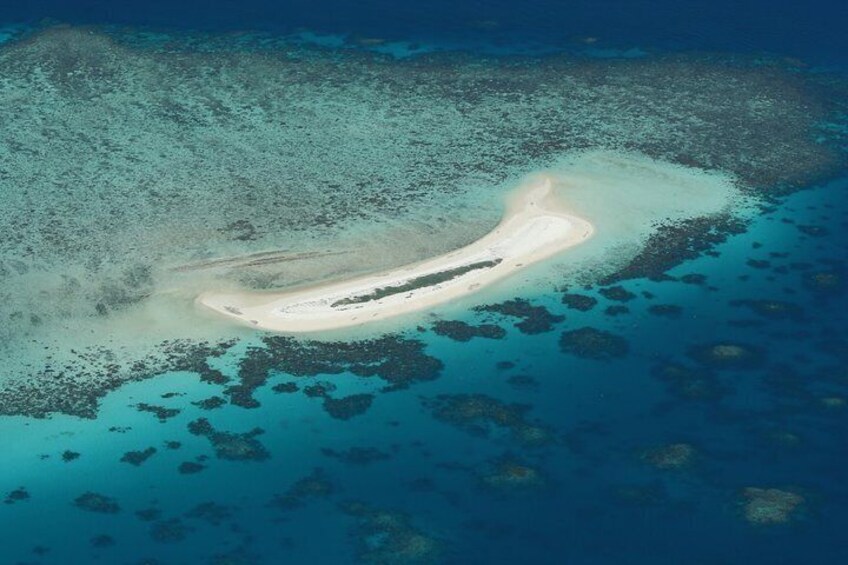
(813, 231)
(148, 514)
(136, 458)
(769, 506)
(210, 512)
(689, 384)
(20, 494)
(479, 414)
(321, 389)
(523, 382)
(616, 310)
(617, 293)
(641, 495)
(829, 282)
(313, 485)
(535, 319)
(398, 361)
(347, 407)
(665, 310)
(357, 455)
(190, 468)
(159, 411)
(389, 537)
(287, 387)
(591, 343)
(68, 456)
(102, 541)
(772, 309)
(676, 242)
(231, 446)
(64, 391)
(579, 302)
(461, 331)
(758, 263)
(696, 279)
(509, 474)
(169, 531)
(95, 502)
(727, 355)
(210, 403)
(672, 456)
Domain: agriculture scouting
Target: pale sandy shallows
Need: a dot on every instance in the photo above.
(536, 226)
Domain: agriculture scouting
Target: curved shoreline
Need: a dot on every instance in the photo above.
(535, 227)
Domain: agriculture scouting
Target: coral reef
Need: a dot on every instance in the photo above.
(95, 502)
(461, 331)
(102, 540)
(229, 445)
(826, 283)
(386, 537)
(136, 458)
(18, 495)
(169, 531)
(190, 468)
(210, 403)
(160, 412)
(357, 455)
(287, 387)
(665, 310)
(534, 319)
(617, 293)
(396, 360)
(210, 512)
(592, 343)
(672, 456)
(772, 309)
(728, 355)
(688, 383)
(579, 302)
(479, 414)
(347, 407)
(508, 474)
(770, 506)
(315, 485)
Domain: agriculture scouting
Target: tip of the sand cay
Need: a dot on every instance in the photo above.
(535, 226)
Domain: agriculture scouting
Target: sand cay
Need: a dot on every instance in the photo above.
(536, 226)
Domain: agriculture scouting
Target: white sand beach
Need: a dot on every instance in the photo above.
(536, 226)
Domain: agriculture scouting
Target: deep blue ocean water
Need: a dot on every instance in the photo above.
(778, 425)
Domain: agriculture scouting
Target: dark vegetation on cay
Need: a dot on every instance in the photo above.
(416, 283)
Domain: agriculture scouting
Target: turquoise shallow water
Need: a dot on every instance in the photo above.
(697, 419)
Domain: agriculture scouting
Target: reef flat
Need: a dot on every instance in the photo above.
(127, 163)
